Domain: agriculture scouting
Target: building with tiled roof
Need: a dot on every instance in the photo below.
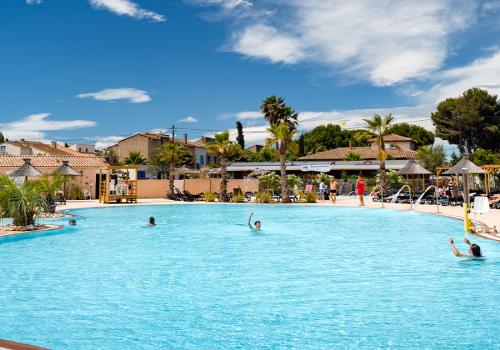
(396, 146)
(148, 142)
(32, 148)
(86, 165)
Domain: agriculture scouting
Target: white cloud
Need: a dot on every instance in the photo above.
(34, 2)
(35, 126)
(262, 41)
(350, 119)
(188, 119)
(226, 4)
(483, 73)
(131, 94)
(127, 8)
(385, 42)
(102, 142)
(246, 115)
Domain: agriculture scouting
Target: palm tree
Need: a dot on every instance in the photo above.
(21, 202)
(49, 186)
(277, 112)
(226, 150)
(380, 127)
(431, 157)
(172, 154)
(134, 157)
(281, 138)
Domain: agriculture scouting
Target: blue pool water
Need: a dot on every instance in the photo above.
(315, 278)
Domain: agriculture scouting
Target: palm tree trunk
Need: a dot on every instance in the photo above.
(171, 180)
(223, 184)
(283, 185)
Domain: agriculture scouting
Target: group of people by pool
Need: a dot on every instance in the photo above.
(334, 188)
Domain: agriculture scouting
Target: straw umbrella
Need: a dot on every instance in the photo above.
(66, 171)
(413, 168)
(258, 172)
(465, 167)
(26, 170)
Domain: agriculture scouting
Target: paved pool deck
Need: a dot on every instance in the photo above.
(492, 218)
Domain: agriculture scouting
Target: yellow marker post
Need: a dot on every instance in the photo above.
(466, 218)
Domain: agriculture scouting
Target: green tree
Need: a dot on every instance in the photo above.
(353, 156)
(227, 150)
(470, 121)
(134, 157)
(2, 138)
(483, 157)
(380, 127)
(66, 145)
(421, 135)
(240, 138)
(325, 137)
(281, 138)
(277, 112)
(302, 145)
(48, 187)
(21, 202)
(171, 154)
(111, 157)
(431, 157)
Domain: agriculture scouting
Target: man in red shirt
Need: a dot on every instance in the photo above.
(360, 186)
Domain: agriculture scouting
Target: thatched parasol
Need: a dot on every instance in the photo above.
(465, 167)
(26, 170)
(412, 168)
(183, 170)
(258, 172)
(66, 170)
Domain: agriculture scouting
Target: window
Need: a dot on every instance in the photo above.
(86, 150)
(215, 159)
(79, 149)
(3, 149)
(208, 159)
(202, 159)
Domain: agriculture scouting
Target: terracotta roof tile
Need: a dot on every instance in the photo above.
(394, 138)
(7, 161)
(43, 147)
(340, 153)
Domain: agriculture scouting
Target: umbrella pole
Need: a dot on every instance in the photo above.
(466, 203)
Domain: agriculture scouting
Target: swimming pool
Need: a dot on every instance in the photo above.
(315, 278)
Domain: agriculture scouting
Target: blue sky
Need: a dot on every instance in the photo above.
(95, 70)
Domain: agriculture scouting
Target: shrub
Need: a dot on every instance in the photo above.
(269, 181)
(352, 156)
(22, 202)
(209, 197)
(309, 197)
(238, 198)
(263, 197)
(75, 192)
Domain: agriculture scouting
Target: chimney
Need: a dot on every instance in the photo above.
(185, 139)
(350, 144)
(54, 144)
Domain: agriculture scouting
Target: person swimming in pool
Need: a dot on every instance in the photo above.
(152, 221)
(474, 249)
(72, 222)
(256, 223)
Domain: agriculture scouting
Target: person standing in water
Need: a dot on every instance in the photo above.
(152, 221)
(334, 185)
(474, 249)
(360, 187)
(256, 223)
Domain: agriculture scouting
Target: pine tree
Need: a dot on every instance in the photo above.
(240, 139)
